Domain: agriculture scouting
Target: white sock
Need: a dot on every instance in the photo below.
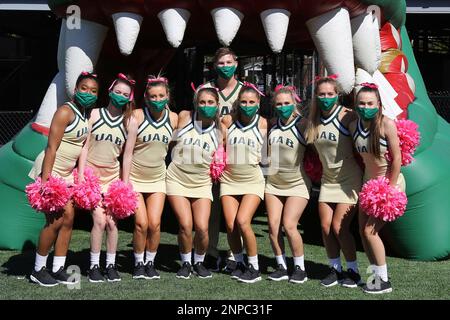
(186, 257)
(281, 260)
(150, 257)
(336, 263)
(58, 262)
(254, 262)
(300, 261)
(353, 265)
(39, 262)
(239, 257)
(381, 271)
(95, 259)
(138, 257)
(198, 257)
(110, 258)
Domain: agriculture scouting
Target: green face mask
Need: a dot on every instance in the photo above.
(118, 100)
(85, 99)
(366, 113)
(249, 111)
(326, 104)
(226, 72)
(284, 112)
(208, 111)
(158, 106)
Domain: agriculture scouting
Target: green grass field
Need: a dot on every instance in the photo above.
(410, 279)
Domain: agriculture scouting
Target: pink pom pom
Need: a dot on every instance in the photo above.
(409, 137)
(49, 197)
(87, 194)
(380, 200)
(218, 163)
(312, 165)
(120, 199)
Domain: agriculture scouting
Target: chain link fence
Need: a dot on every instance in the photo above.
(441, 101)
(11, 122)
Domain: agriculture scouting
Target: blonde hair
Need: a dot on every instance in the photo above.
(286, 90)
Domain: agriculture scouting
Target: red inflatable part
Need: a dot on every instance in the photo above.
(400, 83)
(390, 37)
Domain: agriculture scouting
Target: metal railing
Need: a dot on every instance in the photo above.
(11, 122)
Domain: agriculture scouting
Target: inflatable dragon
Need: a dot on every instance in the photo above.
(357, 39)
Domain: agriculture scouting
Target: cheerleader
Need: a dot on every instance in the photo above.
(287, 186)
(188, 181)
(374, 135)
(101, 152)
(225, 64)
(341, 180)
(150, 132)
(68, 132)
(242, 183)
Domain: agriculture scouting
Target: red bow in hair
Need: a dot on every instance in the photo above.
(85, 73)
(251, 85)
(331, 76)
(369, 85)
(202, 86)
(155, 80)
(293, 89)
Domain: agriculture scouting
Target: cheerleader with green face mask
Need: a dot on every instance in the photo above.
(287, 186)
(150, 132)
(101, 153)
(68, 133)
(242, 183)
(341, 180)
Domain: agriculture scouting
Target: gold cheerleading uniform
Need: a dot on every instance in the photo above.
(105, 146)
(226, 103)
(342, 176)
(374, 166)
(287, 177)
(188, 173)
(242, 174)
(69, 149)
(148, 166)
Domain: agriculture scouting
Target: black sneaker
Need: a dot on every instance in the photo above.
(43, 278)
(95, 275)
(298, 276)
(139, 271)
(151, 272)
(111, 273)
(185, 271)
(212, 263)
(333, 278)
(250, 275)
(351, 279)
(63, 277)
(201, 271)
(239, 271)
(230, 266)
(279, 274)
(377, 286)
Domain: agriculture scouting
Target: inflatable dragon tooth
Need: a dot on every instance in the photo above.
(368, 36)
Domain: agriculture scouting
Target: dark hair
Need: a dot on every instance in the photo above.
(86, 75)
(375, 124)
(163, 83)
(223, 52)
(236, 114)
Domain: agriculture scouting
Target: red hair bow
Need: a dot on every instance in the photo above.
(155, 80)
(293, 89)
(331, 76)
(202, 86)
(251, 85)
(85, 73)
(369, 85)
